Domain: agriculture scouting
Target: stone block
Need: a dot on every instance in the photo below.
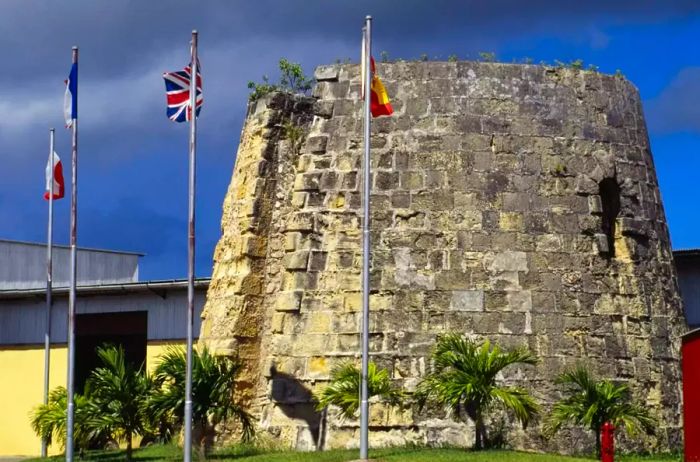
(307, 181)
(319, 322)
(329, 180)
(352, 302)
(516, 202)
(301, 222)
(254, 246)
(507, 261)
(317, 367)
(297, 260)
(324, 108)
(601, 243)
(317, 260)
(436, 200)
(585, 185)
(316, 144)
(467, 300)
(520, 300)
(411, 180)
(386, 181)
(452, 279)
(633, 227)
(511, 221)
(289, 301)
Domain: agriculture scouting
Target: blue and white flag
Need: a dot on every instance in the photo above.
(70, 100)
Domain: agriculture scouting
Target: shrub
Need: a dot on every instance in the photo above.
(292, 80)
(463, 379)
(344, 389)
(213, 381)
(590, 403)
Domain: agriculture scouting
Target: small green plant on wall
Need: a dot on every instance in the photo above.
(292, 80)
(487, 56)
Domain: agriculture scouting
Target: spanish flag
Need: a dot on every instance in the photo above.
(379, 99)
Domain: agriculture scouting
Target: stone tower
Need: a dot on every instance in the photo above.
(517, 203)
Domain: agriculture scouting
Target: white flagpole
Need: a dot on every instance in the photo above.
(73, 273)
(190, 266)
(364, 404)
(49, 251)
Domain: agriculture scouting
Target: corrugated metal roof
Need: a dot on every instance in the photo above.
(90, 249)
(691, 252)
(108, 288)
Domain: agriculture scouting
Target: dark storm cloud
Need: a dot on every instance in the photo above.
(677, 108)
(132, 156)
(126, 36)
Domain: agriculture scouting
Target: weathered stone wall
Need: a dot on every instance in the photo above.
(515, 203)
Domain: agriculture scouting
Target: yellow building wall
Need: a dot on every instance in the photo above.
(22, 388)
(155, 349)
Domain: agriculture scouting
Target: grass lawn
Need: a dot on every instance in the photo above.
(243, 454)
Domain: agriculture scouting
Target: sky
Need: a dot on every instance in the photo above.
(132, 192)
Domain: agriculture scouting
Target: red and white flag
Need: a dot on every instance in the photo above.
(58, 185)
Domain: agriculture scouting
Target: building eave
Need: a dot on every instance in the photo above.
(108, 289)
(88, 249)
(686, 253)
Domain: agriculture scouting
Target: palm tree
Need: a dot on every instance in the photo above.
(591, 403)
(344, 389)
(120, 391)
(213, 380)
(463, 379)
(49, 421)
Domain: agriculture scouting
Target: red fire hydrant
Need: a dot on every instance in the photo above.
(607, 442)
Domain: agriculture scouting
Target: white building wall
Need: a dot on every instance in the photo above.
(23, 266)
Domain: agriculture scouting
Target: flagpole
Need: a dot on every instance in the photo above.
(73, 273)
(190, 243)
(49, 251)
(364, 404)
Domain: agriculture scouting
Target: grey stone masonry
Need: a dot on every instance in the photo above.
(515, 203)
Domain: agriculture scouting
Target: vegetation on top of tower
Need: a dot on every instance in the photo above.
(292, 80)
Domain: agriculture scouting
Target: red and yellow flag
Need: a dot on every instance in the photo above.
(379, 99)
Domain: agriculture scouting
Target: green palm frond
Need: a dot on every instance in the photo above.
(213, 380)
(590, 403)
(119, 390)
(343, 390)
(519, 401)
(49, 420)
(464, 377)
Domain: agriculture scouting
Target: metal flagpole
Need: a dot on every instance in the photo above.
(73, 271)
(364, 404)
(190, 266)
(49, 251)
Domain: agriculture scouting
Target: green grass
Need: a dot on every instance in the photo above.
(249, 454)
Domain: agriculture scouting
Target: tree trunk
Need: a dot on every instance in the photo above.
(203, 434)
(597, 443)
(129, 449)
(480, 432)
(474, 413)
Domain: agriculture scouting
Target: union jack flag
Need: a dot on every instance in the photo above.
(177, 89)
